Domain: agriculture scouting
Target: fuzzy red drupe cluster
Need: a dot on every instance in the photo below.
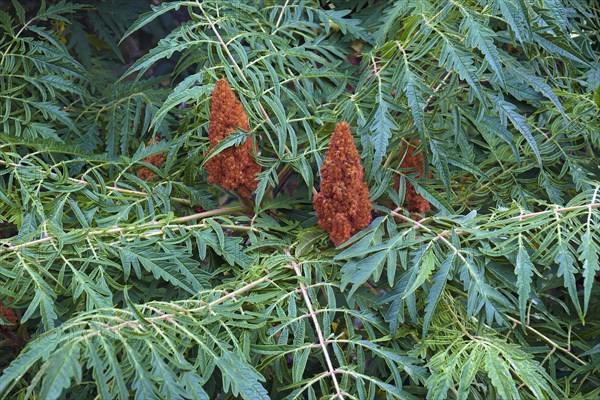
(343, 205)
(9, 315)
(234, 168)
(413, 162)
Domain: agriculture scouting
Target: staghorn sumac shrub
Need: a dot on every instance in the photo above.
(219, 281)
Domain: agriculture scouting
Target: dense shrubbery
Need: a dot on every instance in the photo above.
(127, 271)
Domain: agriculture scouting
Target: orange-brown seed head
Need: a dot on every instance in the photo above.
(343, 206)
(234, 168)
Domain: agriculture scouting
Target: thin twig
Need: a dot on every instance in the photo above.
(214, 28)
(149, 225)
(441, 235)
(112, 188)
(283, 7)
(206, 214)
(241, 290)
(172, 316)
(556, 210)
(548, 340)
(322, 342)
(520, 217)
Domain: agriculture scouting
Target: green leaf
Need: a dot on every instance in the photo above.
(96, 364)
(469, 371)
(299, 365)
(537, 83)
(480, 36)
(388, 18)
(160, 265)
(357, 272)
(164, 374)
(425, 265)
(347, 25)
(193, 386)
(439, 282)
(12, 374)
(498, 371)
(566, 269)
(63, 367)
(381, 129)
(156, 12)
(516, 16)
(143, 384)
(524, 271)
(555, 46)
(558, 12)
(454, 58)
(165, 49)
(414, 93)
(44, 301)
(509, 110)
(185, 92)
(243, 379)
(588, 254)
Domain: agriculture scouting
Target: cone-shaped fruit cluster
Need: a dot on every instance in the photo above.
(343, 205)
(413, 202)
(234, 168)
